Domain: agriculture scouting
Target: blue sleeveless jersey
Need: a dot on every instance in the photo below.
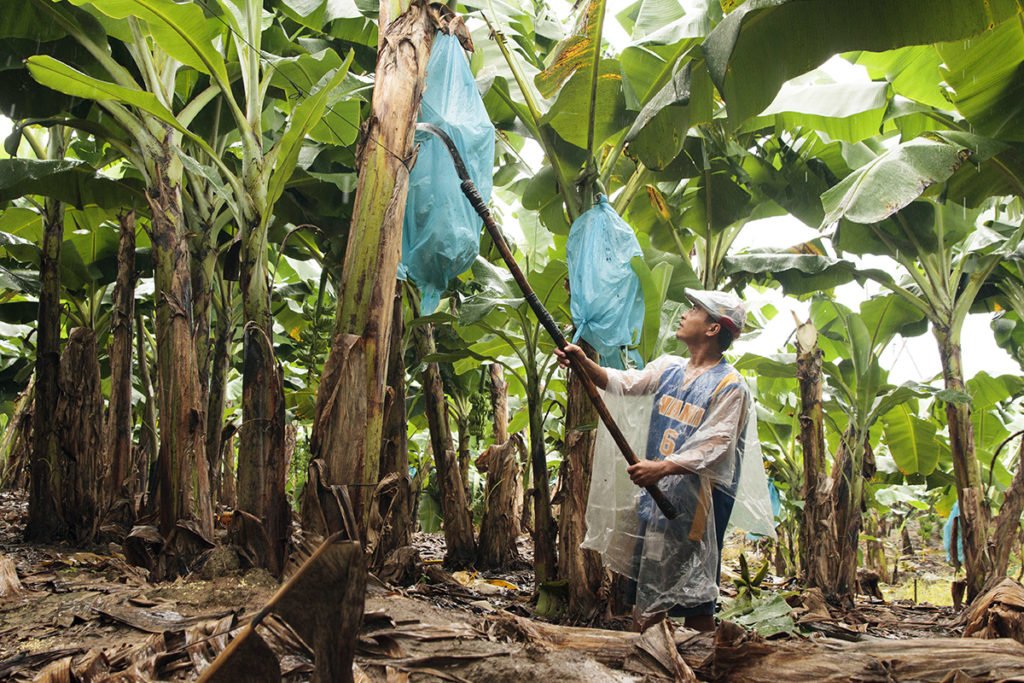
(679, 410)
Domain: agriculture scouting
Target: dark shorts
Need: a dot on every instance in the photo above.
(721, 503)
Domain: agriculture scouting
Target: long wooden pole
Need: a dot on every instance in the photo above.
(469, 189)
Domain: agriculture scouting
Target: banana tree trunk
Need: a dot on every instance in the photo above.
(544, 560)
(350, 449)
(183, 482)
(204, 262)
(395, 450)
(79, 422)
(1007, 522)
(262, 463)
(500, 525)
(218, 388)
(148, 439)
(974, 514)
(819, 555)
(581, 567)
(526, 506)
(229, 477)
(499, 401)
(462, 424)
(43, 522)
(455, 513)
(874, 557)
(848, 489)
(119, 417)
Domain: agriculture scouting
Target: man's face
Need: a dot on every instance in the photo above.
(694, 324)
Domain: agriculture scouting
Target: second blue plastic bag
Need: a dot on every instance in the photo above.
(607, 301)
(947, 536)
(441, 231)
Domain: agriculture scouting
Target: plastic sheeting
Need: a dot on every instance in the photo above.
(675, 562)
(441, 231)
(947, 536)
(607, 302)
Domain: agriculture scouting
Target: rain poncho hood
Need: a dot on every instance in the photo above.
(708, 426)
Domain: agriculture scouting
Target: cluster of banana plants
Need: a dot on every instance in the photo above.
(195, 117)
(225, 132)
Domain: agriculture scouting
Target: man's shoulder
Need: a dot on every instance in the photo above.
(731, 379)
(667, 361)
(729, 368)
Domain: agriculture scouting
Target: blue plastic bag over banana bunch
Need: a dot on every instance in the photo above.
(441, 231)
(607, 301)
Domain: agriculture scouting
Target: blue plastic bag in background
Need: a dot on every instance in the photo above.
(947, 536)
(607, 301)
(441, 231)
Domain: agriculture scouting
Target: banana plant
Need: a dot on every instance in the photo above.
(151, 133)
(946, 258)
(71, 207)
(858, 396)
(497, 326)
(165, 40)
(266, 167)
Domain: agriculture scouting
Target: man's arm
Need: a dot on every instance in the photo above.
(705, 451)
(596, 372)
(619, 382)
(650, 472)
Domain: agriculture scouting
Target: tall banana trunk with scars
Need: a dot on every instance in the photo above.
(458, 520)
(974, 510)
(43, 522)
(581, 567)
(394, 457)
(182, 422)
(349, 418)
(205, 214)
(819, 555)
(945, 297)
(119, 417)
(220, 361)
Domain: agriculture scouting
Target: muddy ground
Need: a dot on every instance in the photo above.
(74, 614)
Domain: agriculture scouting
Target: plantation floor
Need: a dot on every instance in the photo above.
(90, 614)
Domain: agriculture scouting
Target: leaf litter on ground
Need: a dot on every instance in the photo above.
(88, 614)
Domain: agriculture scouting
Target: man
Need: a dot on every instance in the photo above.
(694, 446)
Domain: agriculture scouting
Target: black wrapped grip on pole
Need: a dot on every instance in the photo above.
(477, 202)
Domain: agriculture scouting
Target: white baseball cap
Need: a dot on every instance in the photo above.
(725, 308)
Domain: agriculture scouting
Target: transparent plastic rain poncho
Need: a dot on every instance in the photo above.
(441, 231)
(607, 300)
(708, 426)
